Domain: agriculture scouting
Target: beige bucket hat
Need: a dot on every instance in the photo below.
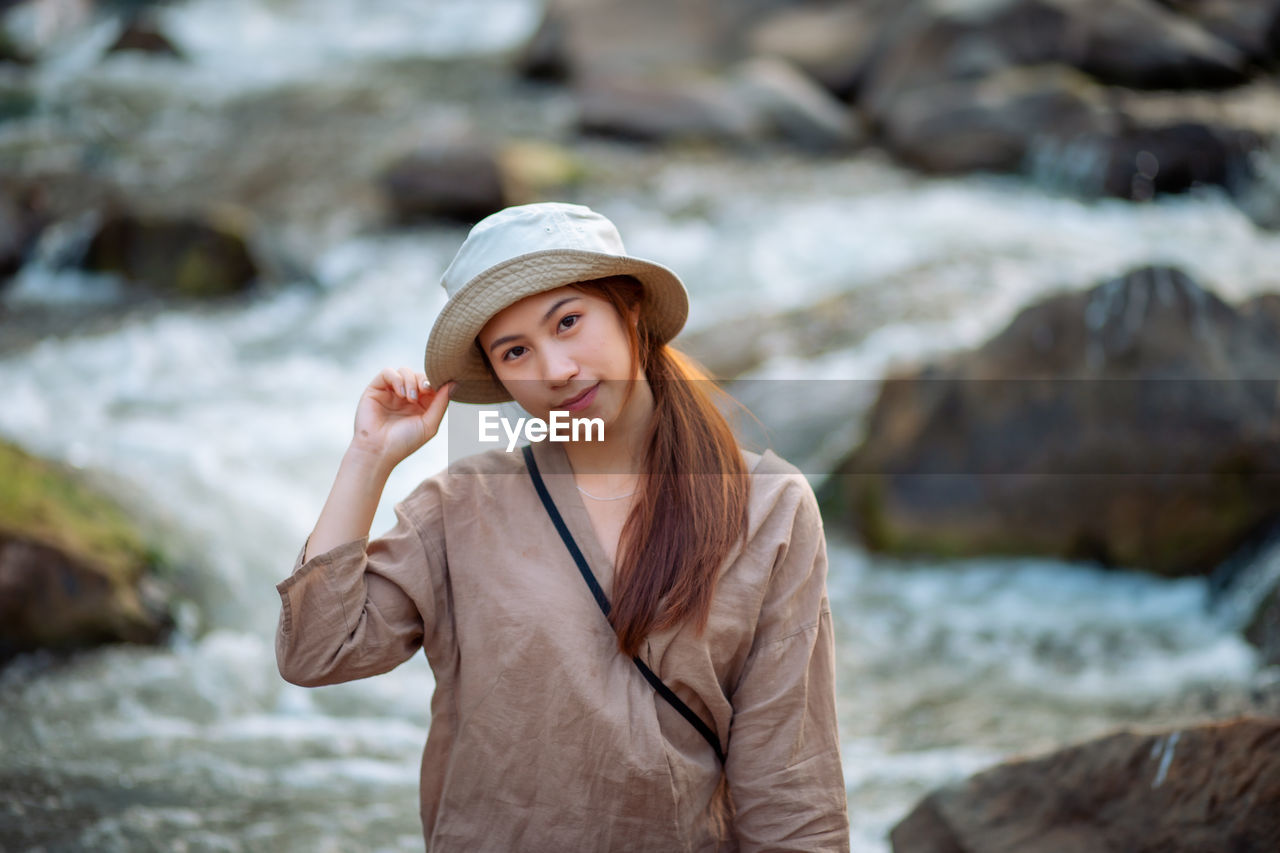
(528, 249)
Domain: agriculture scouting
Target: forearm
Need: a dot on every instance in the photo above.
(348, 511)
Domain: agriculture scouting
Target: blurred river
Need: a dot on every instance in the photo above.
(226, 425)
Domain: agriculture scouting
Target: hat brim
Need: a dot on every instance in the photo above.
(451, 352)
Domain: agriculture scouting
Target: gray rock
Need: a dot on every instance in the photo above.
(696, 110)
(1251, 26)
(830, 42)
(591, 41)
(1208, 787)
(796, 108)
(992, 123)
(1131, 424)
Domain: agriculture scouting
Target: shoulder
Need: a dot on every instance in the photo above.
(781, 496)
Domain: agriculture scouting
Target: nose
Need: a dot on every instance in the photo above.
(559, 366)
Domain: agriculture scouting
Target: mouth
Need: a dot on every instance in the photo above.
(579, 402)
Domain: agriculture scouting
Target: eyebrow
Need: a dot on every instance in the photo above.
(545, 317)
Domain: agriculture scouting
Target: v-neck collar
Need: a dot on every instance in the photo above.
(557, 473)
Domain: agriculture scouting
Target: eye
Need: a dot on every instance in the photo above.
(570, 319)
(507, 356)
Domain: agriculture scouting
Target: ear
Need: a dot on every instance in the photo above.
(634, 313)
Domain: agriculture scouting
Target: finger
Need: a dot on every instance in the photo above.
(410, 382)
(393, 381)
(435, 409)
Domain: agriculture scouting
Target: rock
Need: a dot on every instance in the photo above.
(698, 110)
(141, 35)
(1154, 144)
(1209, 787)
(1069, 133)
(1142, 162)
(468, 181)
(1251, 26)
(463, 183)
(1133, 43)
(830, 42)
(545, 56)
(795, 107)
(12, 54)
(992, 123)
(763, 99)
(591, 41)
(74, 571)
(1131, 424)
(185, 256)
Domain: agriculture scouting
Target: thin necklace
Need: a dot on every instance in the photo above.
(618, 498)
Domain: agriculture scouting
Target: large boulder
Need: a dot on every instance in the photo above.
(1211, 787)
(197, 255)
(1132, 424)
(74, 571)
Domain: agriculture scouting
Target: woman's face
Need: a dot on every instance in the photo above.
(564, 349)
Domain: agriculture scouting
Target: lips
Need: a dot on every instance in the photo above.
(580, 401)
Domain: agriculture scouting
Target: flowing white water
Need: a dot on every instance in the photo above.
(227, 425)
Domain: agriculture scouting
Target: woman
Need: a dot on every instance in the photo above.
(630, 634)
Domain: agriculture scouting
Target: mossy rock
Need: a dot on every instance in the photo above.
(197, 256)
(74, 570)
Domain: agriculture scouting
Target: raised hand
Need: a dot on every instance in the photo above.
(398, 412)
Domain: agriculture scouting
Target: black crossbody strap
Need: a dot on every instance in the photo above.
(587, 575)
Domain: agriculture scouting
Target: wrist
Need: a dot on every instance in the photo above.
(371, 460)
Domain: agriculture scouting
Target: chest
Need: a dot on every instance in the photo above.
(607, 519)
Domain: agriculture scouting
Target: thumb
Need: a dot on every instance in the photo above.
(435, 409)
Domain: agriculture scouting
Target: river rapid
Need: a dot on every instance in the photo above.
(224, 426)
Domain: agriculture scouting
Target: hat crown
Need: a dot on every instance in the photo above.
(528, 229)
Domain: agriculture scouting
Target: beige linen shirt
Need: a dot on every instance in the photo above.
(543, 736)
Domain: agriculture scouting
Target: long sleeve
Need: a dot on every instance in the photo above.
(365, 606)
(783, 761)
